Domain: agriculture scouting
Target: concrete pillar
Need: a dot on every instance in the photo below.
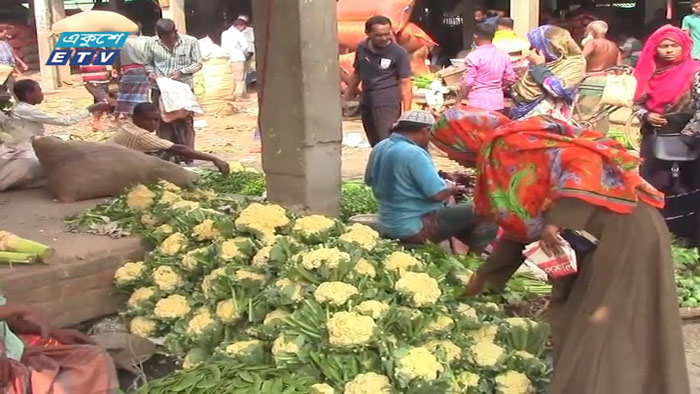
(42, 14)
(526, 14)
(58, 12)
(300, 111)
(176, 12)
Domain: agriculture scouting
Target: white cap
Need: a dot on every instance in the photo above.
(417, 116)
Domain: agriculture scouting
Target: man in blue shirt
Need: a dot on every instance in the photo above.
(691, 24)
(412, 196)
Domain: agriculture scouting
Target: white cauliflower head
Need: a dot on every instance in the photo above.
(149, 220)
(283, 345)
(230, 250)
(328, 257)
(466, 380)
(467, 312)
(168, 198)
(262, 257)
(173, 245)
(209, 279)
(364, 267)
(172, 307)
(375, 309)
(242, 348)
(165, 229)
(335, 293)
(421, 289)
(512, 382)
(519, 322)
(451, 351)
(166, 279)
(441, 324)
(294, 289)
(486, 333)
(486, 354)
(400, 261)
(200, 323)
(347, 329)
(139, 198)
(228, 311)
(313, 225)
(262, 220)
(321, 388)
(141, 295)
(368, 383)
(130, 273)
(169, 186)
(246, 275)
(185, 205)
(142, 327)
(362, 235)
(206, 231)
(418, 363)
(190, 260)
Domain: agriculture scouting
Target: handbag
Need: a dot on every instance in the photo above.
(668, 145)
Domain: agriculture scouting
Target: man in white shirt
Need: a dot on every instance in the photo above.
(19, 166)
(234, 42)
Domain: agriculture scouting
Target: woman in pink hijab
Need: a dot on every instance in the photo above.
(667, 101)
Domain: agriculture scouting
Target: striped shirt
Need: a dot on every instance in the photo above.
(184, 57)
(133, 137)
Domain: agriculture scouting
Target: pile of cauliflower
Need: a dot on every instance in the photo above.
(256, 284)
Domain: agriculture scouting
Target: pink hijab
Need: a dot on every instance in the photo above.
(659, 84)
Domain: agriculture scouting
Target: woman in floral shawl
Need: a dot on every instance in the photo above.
(550, 85)
(615, 323)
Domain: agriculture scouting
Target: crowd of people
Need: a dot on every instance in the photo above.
(541, 177)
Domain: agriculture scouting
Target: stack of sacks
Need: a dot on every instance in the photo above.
(24, 42)
(352, 15)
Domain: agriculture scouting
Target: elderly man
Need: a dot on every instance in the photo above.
(600, 53)
(139, 135)
(176, 56)
(412, 196)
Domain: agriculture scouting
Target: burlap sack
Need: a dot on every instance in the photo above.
(214, 86)
(77, 170)
(95, 21)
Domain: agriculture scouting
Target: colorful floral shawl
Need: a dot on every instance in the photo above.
(523, 166)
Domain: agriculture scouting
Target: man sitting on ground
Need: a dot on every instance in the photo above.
(600, 53)
(140, 136)
(412, 196)
(67, 361)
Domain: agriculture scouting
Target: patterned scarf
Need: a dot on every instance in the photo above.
(523, 166)
(564, 60)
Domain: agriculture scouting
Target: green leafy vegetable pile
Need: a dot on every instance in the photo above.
(256, 299)
(687, 263)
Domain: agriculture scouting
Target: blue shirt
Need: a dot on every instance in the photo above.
(404, 180)
(691, 23)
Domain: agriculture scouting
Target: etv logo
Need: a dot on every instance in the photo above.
(85, 52)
